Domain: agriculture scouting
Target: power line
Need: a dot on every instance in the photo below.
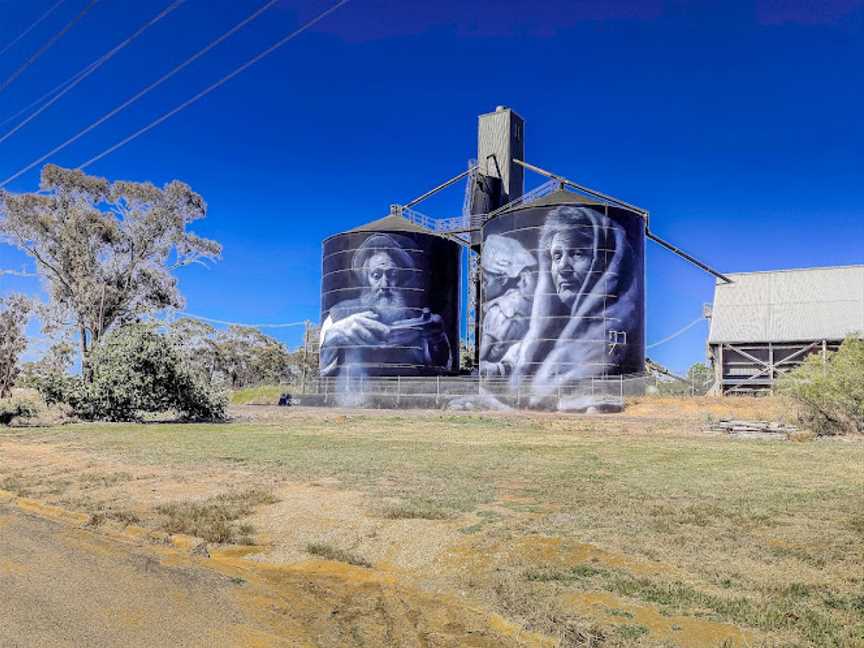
(17, 73)
(90, 69)
(152, 86)
(675, 334)
(39, 20)
(17, 273)
(226, 323)
(212, 87)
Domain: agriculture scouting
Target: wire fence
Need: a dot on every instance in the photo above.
(471, 392)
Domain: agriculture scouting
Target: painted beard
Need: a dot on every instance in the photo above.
(387, 303)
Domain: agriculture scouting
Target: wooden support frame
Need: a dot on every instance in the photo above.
(749, 367)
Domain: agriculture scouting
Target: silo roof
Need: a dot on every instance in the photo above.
(392, 223)
(559, 197)
(789, 306)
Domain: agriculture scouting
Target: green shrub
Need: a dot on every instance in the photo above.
(136, 370)
(14, 407)
(830, 394)
(50, 374)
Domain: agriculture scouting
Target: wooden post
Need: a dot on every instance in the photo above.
(771, 373)
(718, 370)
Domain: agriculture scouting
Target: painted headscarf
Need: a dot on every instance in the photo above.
(564, 345)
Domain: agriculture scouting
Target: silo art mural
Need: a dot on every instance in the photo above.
(389, 303)
(563, 294)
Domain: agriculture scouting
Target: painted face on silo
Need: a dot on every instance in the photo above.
(571, 254)
(382, 275)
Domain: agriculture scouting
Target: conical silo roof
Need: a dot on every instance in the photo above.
(559, 197)
(392, 223)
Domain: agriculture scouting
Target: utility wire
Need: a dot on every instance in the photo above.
(90, 69)
(211, 87)
(216, 321)
(17, 273)
(17, 73)
(267, 5)
(39, 20)
(675, 334)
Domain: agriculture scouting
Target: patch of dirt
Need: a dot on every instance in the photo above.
(679, 630)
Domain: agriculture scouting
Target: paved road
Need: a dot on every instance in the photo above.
(64, 586)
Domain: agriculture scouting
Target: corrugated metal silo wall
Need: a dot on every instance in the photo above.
(389, 305)
(564, 294)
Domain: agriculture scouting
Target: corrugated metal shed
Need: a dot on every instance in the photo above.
(789, 306)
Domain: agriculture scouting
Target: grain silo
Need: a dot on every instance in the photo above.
(563, 295)
(389, 302)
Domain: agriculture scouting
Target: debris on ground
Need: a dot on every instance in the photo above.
(747, 428)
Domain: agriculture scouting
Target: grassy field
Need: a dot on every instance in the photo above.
(602, 531)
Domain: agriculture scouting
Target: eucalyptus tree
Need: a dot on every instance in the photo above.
(106, 250)
(14, 312)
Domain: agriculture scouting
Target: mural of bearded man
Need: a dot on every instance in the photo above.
(383, 326)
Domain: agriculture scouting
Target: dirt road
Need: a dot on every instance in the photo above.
(63, 586)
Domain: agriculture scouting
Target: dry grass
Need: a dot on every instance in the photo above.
(329, 552)
(414, 512)
(622, 530)
(215, 520)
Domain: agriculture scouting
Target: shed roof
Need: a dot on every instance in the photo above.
(789, 305)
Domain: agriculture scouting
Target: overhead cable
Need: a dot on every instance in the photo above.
(51, 41)
(90, 69)
(226, 323)
(39, 20)
(17, 273)
(676, 333)
(267, 5)
(211, 87)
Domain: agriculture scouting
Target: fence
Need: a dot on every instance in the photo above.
(472, 392)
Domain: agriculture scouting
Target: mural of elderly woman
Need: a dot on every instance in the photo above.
(588, 284)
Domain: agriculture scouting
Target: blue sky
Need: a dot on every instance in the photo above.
(738, 124)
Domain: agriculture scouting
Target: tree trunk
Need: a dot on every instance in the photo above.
(86, 369)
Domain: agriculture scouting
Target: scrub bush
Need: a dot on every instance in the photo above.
(13, 407)
(830, 394)
(136, 370)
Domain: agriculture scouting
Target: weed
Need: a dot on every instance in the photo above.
(214, 519)
(329, 552)
(126, 518)
(631, 632)
(580, 572)
(104, 480)
(474, 528)
(415, 512)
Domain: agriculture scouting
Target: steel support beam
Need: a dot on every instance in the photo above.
(440, 187)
